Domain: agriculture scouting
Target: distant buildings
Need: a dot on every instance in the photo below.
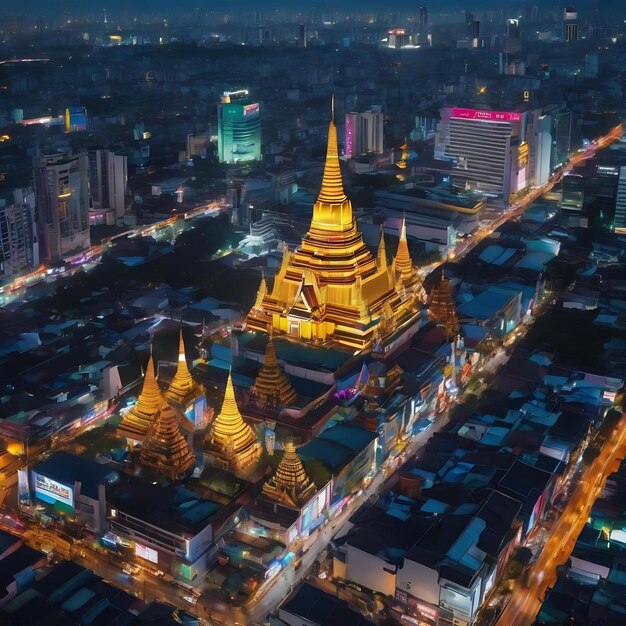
(364, 132)
(75, 119)
(62, 194)
(570, 25)
(619, 222)
(19, 248)
(238, 131)
(108, 177)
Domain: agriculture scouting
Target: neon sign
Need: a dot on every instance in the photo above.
(488, 116)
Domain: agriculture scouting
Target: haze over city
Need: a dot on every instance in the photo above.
(312, 313)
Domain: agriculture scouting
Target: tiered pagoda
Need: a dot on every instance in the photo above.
(136, 423)
(290, 484)
(443, 309)
(331, 288)
(272, 387)
(165, 450)
(406, 273)
(183, 390)
(231, 442)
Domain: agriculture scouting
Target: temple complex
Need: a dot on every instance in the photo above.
(231, 442)
(136, 422)
(165, 450)
(331, 288)
(443, 309)
(290, 484)
(272, 387)
(183, 390)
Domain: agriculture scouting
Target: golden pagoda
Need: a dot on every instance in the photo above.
(165, 449)
(183, 389)
(406, 274)
(136, 422)
(272, 387)
(330, 287)
(443, 309)
(231, 441)
(290, 484)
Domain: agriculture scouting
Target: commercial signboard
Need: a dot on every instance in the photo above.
(487, 116)
(50, 489)
(144, 552)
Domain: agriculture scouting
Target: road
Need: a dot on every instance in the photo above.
(525, 601)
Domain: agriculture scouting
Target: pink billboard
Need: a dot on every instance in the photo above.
(488, 116)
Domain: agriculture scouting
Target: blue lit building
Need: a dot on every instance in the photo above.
(238, 131)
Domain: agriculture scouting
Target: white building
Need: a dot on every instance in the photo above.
(364, 132)
(108, 177)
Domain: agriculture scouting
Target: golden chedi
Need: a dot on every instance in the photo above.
(443, 309)
(183, 390)
(406, 273)
(231, 441)
(272, 387)
(330, 288)
(165, 450)
(290, 484)
(136, 422)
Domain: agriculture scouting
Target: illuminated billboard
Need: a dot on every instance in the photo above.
(249, 109)
(52, 491)
(487, 116)
(23, 488)
(144, 552)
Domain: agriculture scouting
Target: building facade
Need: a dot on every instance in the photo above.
(238, 131)
(62, 200)
(108, 176)
(364, 133)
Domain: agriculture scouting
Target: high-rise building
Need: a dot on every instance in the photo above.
(570, 25)
(396, 38)
(423, 19)
(62, 202)
(238, 131)
(485, 148)
(619, 221)
(75, 119)
(19, 250)
(302, 36)
(513, 42)
(108, 176)
(364, 132)
(331, 288)
(531, 14)
(539, 136)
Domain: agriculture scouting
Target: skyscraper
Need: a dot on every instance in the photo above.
(19, 251)
(62, 201)
(108, 177)
(364, 132)
(302, 36)
(423, 19)
(619, 221)
(570, 25)
(513, 36)
(238, 131)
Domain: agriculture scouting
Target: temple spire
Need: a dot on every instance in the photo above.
(443, 309)
(272, 387)
(382, 251)
(403, 263)
(332, 191)
(136, 423)
(261, 293)
(182, 387)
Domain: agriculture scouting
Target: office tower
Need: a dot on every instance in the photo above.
(531, 13)
(62, 202)
(396, 38)
(513, 42)
(472, 26)
(108, 178)
(539, 137)
(331, 288)
(19, 251)
(75, 119)
(423, 19)
(619, 221)
(364, 132)
(570, 25)
(484, 148)
(238, 131)
(302, 36)
(561, 137)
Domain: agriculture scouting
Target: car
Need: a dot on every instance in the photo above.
(191, 599)
(130, 568)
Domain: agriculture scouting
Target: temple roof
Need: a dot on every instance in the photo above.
(165, 449)
(442, 306)
(403, 263)
(272, 387)
(290, 483)
(229, 434)
(136, 422)
(182, 386)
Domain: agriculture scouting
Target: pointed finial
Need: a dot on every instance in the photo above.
(403, 227)
(332, 107)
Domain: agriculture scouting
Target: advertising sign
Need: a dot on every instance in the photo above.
(488, 116)
(146, 553)
(51, 489)
(23, 488)
(249, 109)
